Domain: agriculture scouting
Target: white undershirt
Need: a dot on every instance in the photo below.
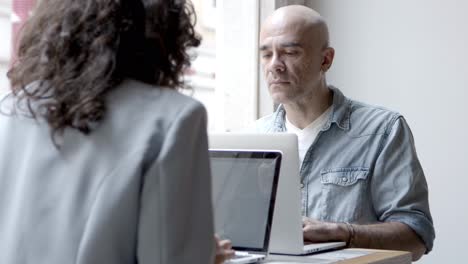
(307, 135)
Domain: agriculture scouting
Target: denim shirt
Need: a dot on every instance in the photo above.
(362, 168)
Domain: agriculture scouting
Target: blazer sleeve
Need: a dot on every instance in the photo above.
(176, 219)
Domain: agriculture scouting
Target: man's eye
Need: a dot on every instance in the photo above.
(291, 53)
(266, 55)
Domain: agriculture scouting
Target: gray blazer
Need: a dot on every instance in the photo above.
(136, 190)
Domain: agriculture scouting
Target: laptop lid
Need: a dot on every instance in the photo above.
(286, 233)
(244, 185)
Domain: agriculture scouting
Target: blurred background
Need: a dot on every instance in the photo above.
(5, 42)
(407, 55)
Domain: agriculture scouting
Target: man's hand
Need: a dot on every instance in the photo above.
(316, 231)
(390, 235)
(224, 250)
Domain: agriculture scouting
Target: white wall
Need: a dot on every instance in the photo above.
(412, 56)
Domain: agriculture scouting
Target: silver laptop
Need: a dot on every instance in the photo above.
(286, 233)
(244, 184)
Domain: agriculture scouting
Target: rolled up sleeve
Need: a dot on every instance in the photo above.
(399, 188)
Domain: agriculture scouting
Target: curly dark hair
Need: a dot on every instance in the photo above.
(75, 52)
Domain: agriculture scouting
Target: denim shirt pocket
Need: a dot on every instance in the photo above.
(344, 192)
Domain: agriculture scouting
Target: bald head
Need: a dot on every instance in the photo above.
(295, 55)
(300, 20)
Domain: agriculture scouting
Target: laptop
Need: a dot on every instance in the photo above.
(286, 233)
(244, 184)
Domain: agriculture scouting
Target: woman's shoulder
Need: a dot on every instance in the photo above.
(142, 102)
(142, 95)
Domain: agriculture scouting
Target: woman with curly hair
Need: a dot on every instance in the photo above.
(103, 161)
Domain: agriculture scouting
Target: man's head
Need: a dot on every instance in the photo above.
(294, 53)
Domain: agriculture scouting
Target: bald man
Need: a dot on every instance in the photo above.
(361, 180)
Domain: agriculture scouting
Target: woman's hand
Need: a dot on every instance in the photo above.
(224, 250)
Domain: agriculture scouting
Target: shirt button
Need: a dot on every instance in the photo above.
(302, 186)
(344, 179)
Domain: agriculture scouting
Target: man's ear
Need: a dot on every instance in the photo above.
(327, 59)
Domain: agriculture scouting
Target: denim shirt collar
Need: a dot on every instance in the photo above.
(341, 111)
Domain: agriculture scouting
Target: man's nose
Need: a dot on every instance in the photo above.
(276, 64)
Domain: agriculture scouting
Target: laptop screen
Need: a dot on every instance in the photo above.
(244, 184)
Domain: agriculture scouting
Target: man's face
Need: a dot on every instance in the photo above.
(290, 60)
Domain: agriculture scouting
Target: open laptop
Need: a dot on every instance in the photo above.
(286, 234)
(244, 184)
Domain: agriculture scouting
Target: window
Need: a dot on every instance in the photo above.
(201, 76)
(5, 36)
(225, 74)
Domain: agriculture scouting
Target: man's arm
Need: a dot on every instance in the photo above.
(391, 235)
(399, 197)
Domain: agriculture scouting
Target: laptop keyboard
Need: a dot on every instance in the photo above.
(240, 255)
